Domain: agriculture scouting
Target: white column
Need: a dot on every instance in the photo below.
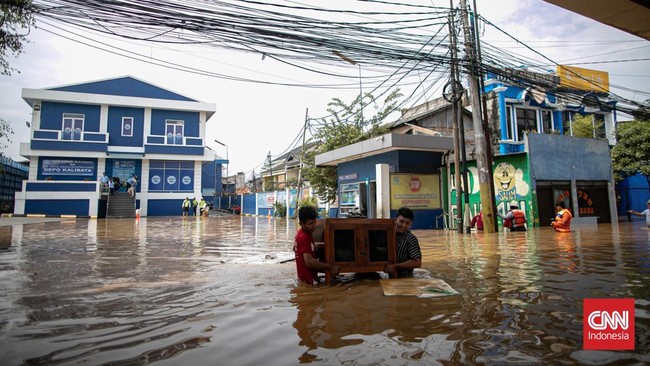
(103, 119)
(143, 182)
(383, 191)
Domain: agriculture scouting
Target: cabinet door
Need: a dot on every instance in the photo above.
(345, 239)
(379, 244)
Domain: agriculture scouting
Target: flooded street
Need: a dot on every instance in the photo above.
(211, 291)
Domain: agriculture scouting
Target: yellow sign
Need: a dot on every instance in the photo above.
(584, 79)
(415, 191)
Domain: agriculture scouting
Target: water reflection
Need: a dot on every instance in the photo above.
(126, 292)
(356, 324)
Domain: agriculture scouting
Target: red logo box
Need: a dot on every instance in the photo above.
(608, 324)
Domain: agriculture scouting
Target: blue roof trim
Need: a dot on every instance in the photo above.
(125, 86)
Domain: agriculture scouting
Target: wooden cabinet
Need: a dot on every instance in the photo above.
(359, 245)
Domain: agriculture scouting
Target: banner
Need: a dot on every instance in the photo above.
(68, 167)
(583, 79)
(415, 191)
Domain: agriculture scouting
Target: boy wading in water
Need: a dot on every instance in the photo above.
(305, 249)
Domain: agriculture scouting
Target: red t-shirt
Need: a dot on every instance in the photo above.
(303, 243)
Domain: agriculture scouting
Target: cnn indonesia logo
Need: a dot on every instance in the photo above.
(608, 324)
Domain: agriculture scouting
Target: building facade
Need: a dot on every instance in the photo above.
(12, 175)
(123, 127)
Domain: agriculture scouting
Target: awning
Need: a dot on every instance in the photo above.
(383, 144)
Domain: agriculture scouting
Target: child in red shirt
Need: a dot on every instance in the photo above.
(304, 247)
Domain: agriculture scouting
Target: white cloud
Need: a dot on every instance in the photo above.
(253, 119)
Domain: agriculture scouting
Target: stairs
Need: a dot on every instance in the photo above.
(120, 204)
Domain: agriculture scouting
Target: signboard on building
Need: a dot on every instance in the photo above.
(76, 167)
(416, 191)
(265, 200)
(583, 79)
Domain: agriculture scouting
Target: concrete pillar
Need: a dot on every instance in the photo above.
(574, 198)
(383, 191)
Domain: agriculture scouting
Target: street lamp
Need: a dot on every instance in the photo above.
(227, 161)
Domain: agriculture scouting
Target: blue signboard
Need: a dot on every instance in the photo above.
(348, 177)
(68, 167)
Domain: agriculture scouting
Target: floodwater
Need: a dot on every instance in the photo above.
(175, 291)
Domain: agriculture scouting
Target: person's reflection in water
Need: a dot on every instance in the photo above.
(358, 314)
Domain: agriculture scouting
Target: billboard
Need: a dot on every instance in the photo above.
(416, 191)
(583, 79)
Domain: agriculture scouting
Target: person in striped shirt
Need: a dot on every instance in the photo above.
(409, 255)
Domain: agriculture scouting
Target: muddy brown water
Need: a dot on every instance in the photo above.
(175, 291)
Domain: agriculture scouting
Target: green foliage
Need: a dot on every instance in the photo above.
(309, 201)
(346, 126)
(631, 155)
(280, 209)
(5, 131)
(583, 126)
(17, 17)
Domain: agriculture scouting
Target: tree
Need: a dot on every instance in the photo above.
(17, 18)
(5, 131)
(584, 126)
(345, 126)
(643, 112)
(631, 155)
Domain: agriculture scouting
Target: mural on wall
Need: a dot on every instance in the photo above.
(562, 195)
(416, 191)
(585, 203)
(511, 185)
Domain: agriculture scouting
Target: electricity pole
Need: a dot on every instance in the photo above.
(453, 99)
(484, 170)
(302, 158)
(270, 170)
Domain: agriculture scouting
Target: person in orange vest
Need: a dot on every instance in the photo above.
(515, 219)
(562, 221)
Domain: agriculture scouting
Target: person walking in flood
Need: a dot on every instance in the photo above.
(409, 255)
(307, 265)
(562, 221)
(515, 219)
(186, 206)
(645, 213)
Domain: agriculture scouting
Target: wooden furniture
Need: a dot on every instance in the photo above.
(359, 245)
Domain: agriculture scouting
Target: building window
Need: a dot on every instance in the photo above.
(547, 121)
(174, 132)
(127, 126)
(509, 123)
(567, 123)
(73, 125)
(171, 176)
(599, 126)
(526, 122)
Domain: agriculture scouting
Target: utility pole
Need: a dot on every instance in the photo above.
(457, 92)
(254, 183)
(486, 125)
(268, 156)
(302, 158)
(484, 170)
(453, 99)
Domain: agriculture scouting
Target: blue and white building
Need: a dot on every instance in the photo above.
(123, 127)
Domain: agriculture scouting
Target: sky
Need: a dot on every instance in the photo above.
(253, 119)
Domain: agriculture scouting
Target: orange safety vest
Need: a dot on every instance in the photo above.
(520, 218)
(562, 221)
